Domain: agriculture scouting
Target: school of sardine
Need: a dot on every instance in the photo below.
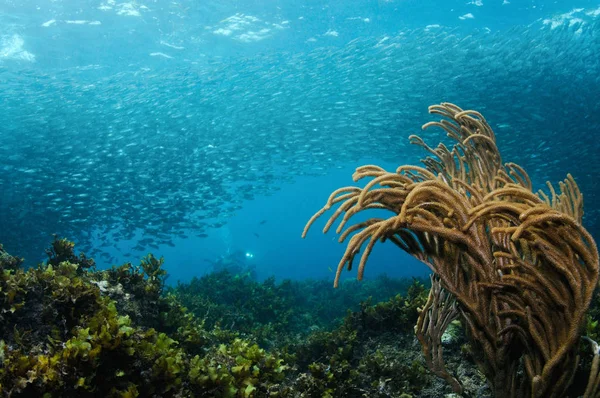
(167, 152)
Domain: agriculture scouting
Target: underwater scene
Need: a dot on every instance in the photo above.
(320, 198)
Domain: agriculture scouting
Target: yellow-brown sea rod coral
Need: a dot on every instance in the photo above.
(519, 264)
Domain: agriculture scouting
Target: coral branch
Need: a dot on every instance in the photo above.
(520, 265)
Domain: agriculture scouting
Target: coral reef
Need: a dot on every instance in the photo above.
(68, 331)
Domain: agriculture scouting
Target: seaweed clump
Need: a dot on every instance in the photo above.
(69, 330)
(372, 352)
(277, 313)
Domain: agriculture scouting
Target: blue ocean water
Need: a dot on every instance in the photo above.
(197, 130)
